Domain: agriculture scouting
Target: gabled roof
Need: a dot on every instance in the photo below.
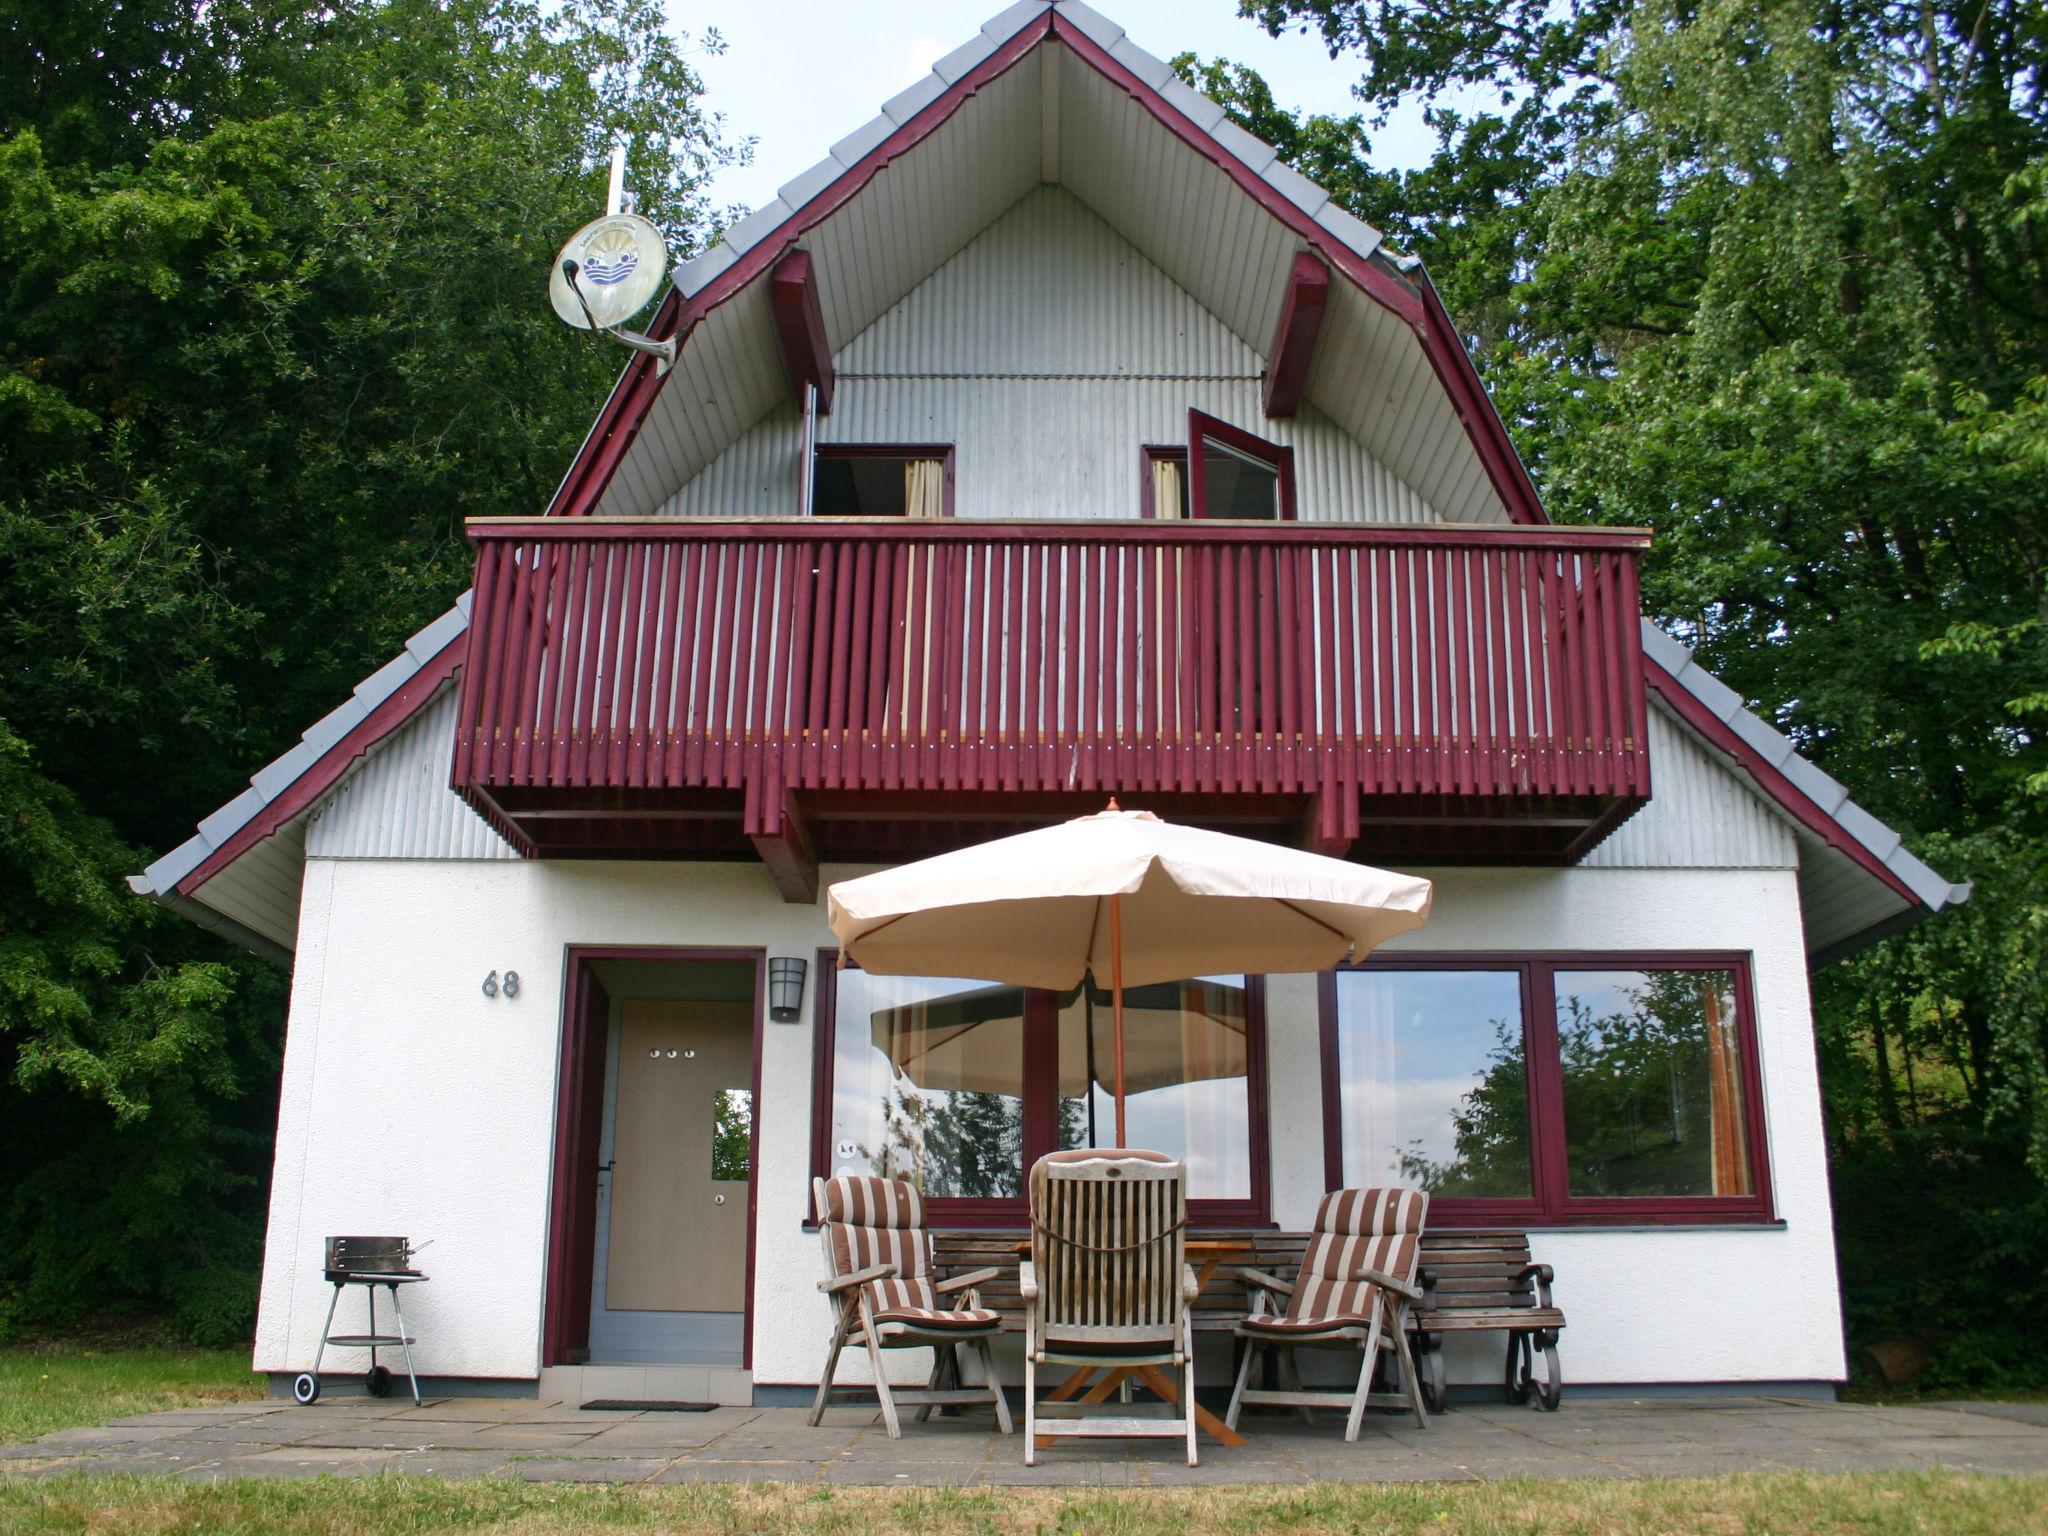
(1055, 93)
(1045, 92)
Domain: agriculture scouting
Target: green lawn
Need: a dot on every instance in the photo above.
(1941, 1504)
(54, 1386)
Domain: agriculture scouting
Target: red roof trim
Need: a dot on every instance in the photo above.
(1794, 801)
(619, 421)
(328, 768)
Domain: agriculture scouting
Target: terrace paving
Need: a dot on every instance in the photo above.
(553, 1442)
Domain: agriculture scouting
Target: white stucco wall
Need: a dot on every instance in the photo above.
(412, 1103)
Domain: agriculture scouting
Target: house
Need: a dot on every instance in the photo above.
(1048, 440)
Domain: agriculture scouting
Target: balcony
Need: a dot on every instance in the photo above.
(868, 691)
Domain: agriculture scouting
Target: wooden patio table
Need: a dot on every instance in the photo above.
(1206, 1255)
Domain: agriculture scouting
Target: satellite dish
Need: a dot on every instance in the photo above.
(608, 271)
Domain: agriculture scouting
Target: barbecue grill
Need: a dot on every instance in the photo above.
(368, 1262)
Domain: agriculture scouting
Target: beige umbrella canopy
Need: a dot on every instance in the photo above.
(1121, 895)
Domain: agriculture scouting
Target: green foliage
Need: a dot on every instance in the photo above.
(269, 331)
(1773, 279)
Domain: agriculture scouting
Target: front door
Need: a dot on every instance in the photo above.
(678, 1239)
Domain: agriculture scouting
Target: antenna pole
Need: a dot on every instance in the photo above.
(616, 198)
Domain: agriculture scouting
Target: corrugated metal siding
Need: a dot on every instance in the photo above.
(1701, 815)
(396, 803)
(1048, 351)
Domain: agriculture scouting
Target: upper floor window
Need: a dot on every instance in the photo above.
(1581, 1089)
(883, 480)
(1223, 472)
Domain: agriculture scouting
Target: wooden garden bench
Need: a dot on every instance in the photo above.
(1475, 1280)
(1484, 1282)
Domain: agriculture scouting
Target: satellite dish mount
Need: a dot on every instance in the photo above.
(610, 269)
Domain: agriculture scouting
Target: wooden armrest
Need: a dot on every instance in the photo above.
(1387, 1282)
(1190, 1287)
(858, 1278)
(966, 1282)
(1259, 1277)
(1027, 1280)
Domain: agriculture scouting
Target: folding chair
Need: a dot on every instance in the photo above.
(878, 1272)
(1352, 1292)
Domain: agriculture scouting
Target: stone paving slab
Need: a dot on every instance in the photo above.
(476, 1437)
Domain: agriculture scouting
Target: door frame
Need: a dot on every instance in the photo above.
(572, 1228)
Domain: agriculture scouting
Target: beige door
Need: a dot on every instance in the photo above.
(679, 1174)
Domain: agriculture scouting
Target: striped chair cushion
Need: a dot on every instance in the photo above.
(868, 1221)
(1355, 1229)
(937, 1320)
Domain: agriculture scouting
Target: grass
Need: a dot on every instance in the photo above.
(45, 1387)
(1909, 1504)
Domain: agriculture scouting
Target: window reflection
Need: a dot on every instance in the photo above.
(1186, 1077)
(1433, 1082)
(928, 1083)
(1653, 1091)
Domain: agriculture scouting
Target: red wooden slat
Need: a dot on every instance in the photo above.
(1397, 766)
(1543, 765)
(600, 631)
(951, 604)
(818, 669)
(1591, 624)
(690, 655)
(1463, 669)
(653, 629)
(839, 659)
(776, 727)
(1502, 719)
(1225, 610)
(1629, 642)
(916, 666)
(758, 609)
(1569, 674)
(1092, 661)
(974, 594)
(1289, 629)
(1130, 652)
(1270, 649)
(1016, 573)
(474, 708)
(861, 664)
(533, 636)
(1443, 732)
(1249, 701)
(564, 686)
(1406, 610)
(894, 681)
(627, 686)
(1206, 626)
(1616, 644)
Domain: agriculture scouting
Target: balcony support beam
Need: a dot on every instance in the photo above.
(781, 836)
(800, 327)
(1329, 822)
(1294, 339)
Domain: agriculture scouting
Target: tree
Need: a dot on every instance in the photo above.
(271, 327)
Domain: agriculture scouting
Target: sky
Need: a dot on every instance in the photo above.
(799, 75)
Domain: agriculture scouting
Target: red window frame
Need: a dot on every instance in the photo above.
(1154, 453)
(1550, 1202)
(1041, 1088)
(1201, 425)
(940, 451)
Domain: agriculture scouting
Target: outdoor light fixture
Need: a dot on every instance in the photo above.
(785, 989)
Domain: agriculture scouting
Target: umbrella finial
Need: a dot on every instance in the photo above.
(1112, 806)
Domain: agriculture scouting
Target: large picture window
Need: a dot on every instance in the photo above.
(1548, 1088)
(959, 1086)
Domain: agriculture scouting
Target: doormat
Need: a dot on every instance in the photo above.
(630, 1405)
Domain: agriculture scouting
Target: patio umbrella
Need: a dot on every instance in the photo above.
(1122, 893)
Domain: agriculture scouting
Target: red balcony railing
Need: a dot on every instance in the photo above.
(1192, 658)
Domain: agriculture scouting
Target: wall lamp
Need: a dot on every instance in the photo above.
(786, 988)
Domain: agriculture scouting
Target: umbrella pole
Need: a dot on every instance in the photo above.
(1116, 978)
(1088, 1004)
